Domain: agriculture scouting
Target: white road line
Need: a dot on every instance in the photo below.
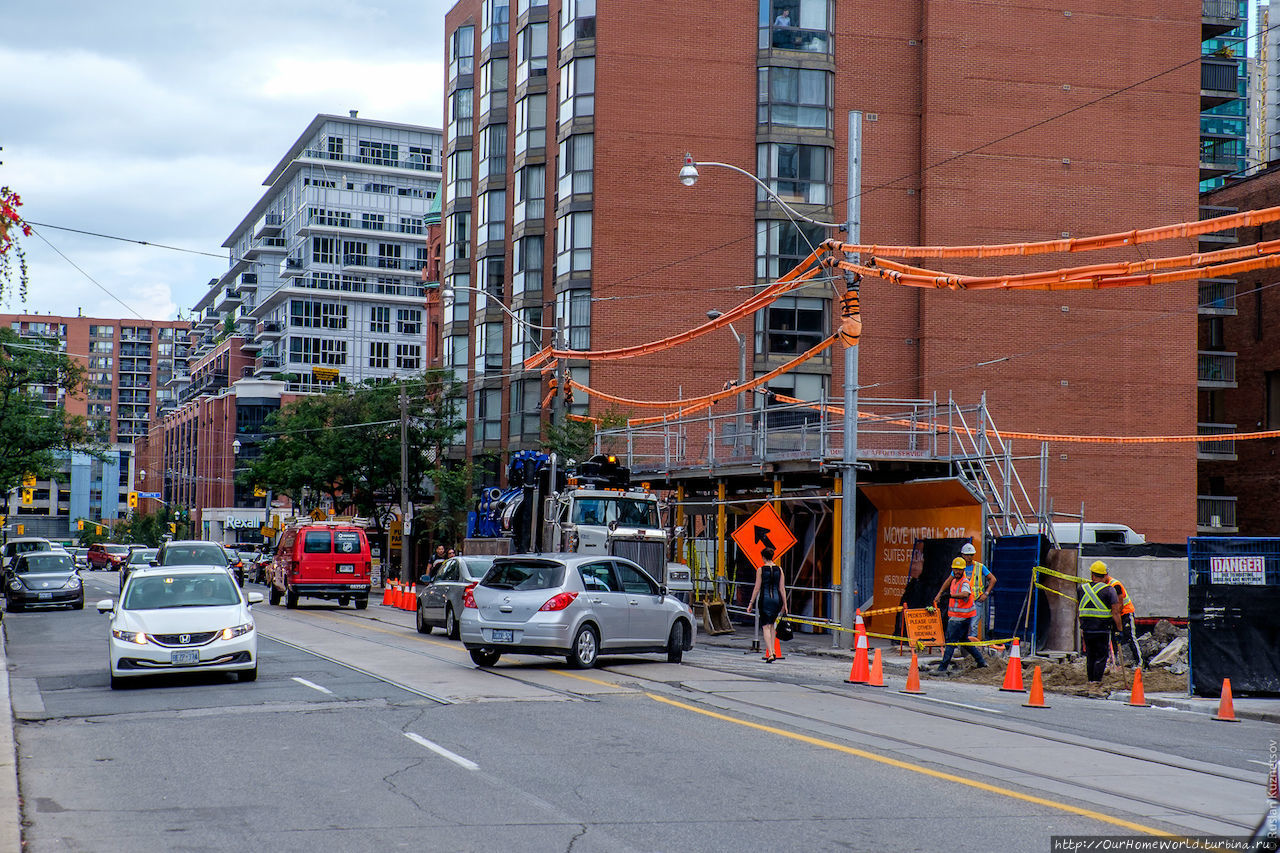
(440, 750)
(312, 685)
(960, 705)
(1263, 763)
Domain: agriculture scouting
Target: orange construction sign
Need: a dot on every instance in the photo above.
(763, 528)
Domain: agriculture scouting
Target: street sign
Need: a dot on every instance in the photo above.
(763, 528)
(325, 374)
(259, 492)
(318, 514)
(155, 496)
(397, 535)
(268, 531)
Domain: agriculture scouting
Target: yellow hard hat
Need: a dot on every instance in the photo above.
(1098, 567)
(959, 563)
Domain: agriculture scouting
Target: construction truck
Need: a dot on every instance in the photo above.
(589, 508)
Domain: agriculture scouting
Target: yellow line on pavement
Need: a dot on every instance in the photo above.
(587, 678)
(916, 768)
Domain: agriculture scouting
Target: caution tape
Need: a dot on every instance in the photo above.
(1054, 591)
(832, 627)
(1041, 570)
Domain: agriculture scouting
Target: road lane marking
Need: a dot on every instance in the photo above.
(960, 705)
(1263, 763)
(403, 633)
(312, 685)
(396, 684)
(588, 679)
(916, 768)
(440, 750)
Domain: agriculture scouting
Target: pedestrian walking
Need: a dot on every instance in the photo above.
(1099, 612)
(981, 580)
(1127, 637)
(771, 592)
(960, 612)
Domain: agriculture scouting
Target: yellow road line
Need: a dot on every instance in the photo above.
(916, 768)
(588, 678)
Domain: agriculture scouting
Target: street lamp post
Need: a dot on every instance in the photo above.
(742, 378)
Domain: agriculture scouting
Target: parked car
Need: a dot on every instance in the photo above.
(579, 606)
(42, 579)
(139, 558)
(107, 556)
(23, 545)
(197, 552)
(440, 598)
(81, 556)
(329, 560)
(173, 619)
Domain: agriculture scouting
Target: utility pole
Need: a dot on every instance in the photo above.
(405, 524)
(849, 458)
(559, 413)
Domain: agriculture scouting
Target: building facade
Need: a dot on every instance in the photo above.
(1229, 142)
(565, 126)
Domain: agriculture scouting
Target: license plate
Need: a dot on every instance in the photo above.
(501, 635)
(44, 596)
(192, 656)
(346, 567)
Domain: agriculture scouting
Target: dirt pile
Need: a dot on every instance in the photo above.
(1067, 675)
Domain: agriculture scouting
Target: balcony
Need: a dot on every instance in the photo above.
(1219, 80)
(377, 288)
(1216, 369)
(227, 300)
(269, 226)
(1218, 17)
(209, 383)
(1220, 156)
(1217, 297)
(414, 162)
(1222, 449)
(1216, 515)
(272, 329)
(376, 263)
(269, 362)
(1217, 239)
(292, 267)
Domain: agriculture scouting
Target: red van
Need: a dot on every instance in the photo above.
(326, 559)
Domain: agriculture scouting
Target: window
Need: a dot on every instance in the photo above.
(462, 51)
(373, 221)
(577, 157)
(797, 173)
(408, 357)
(460, 174)
(531, 191)
(455, 356)
(333, 352)
(802, 386)
(531, 53)
(577, 21)
(458, 309)
(421, 158)
(333, 315)
(577, 89)
(573, 309)
(316, 542)
(408, 321)
(304, 313)
(497, 20)
(355, 253)
(493, 274)
(796, 25)
(791, 325)
(334, 146)
(531, 123)
(379, 153)
(795, 97)
(573, 248)
(493, 85)
(581, 403)
(461, 109)
(458, 241)
(380, 319)
(782, 245)
(493, 151)
(304, 350)
(488, 348)
(488, 420)
(523, 6)
(524, 337)
(492, 216)
(389, 256)
(526, 417)
(1273, 400)
(102, 331)
(527, 277)
(324, 250)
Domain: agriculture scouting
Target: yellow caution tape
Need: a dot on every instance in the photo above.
(1041, 570)
(1054, 591)
(894, 637)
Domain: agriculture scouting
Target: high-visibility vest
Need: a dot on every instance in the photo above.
(1126, 603)
(1091, 604)
(977, 580)
(961, 606)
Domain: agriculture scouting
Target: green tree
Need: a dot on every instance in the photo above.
(32, 431)
(576, 440)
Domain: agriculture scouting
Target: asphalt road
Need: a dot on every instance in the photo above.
(362, 735)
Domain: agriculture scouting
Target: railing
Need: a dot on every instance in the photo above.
(270, 327)
(1217, 296)
(417, 291)
(1216, 368)
(1221, 449)
(417, 162)
(795, 38)
(1225, 153)
(1220, 9)
(328, 220)
(1219, 74)
(1217, 514)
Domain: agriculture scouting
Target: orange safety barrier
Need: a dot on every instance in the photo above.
(1226, 707)
(1036, 700)
(1013, 672)
(1137, 696)
(913, 677)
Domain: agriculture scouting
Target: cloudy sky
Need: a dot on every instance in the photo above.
(159, 121)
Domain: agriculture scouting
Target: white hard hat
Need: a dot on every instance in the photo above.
(968, 549)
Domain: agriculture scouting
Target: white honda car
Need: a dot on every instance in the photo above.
(172, 619)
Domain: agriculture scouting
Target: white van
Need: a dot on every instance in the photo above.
(1067, 533)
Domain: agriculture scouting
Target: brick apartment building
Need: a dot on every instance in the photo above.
(564, 131)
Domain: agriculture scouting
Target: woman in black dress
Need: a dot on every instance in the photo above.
(771, 592)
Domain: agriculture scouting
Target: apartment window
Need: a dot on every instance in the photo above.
(526, 417)
(324, 250)
(525, 337)
(531, 123)
(461, 110)
(795, 97)
(577, 89)
(333, 315)
(333, 352)
(420, 157)
(304, 350)
(577, 159)
(531, 191)
(492, 216)
(488, 419)
(455, 356)
(791, 325)
(380, 319)
(412, 225)
(379, 153)
(493, 84)
(334, 147)
(102, 346)
(488, 348)
(355, 253)
(389, 256)
(493, 151)
(577, 20)
(497, 21)
(304, 313)
(102, 331)
(573, 246)
(523, 6)
(573, 309)
(373, 221)
(797, 173)
(796, 25)
(458, 308)
(531, 53)
(781, 245)
(408, 357)
(527, 275)
(492, 271)
(802, 386)
(408, 321)
(458, 240)
(462, 51)
(581, 404)
(460, 174)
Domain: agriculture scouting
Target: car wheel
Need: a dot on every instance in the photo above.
(273, 595)
(485, 657)
(344, 600)
(451, 627)
(423, 627)
(362, 603)
(585, 649)
(249, 674)
(675, 643)
(116, 682)
(78, 604)
(12, 606)
(290, 599)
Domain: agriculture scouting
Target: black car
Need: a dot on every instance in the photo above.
(43, 579)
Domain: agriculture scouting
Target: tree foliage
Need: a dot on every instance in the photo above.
(574, 439)
(32, 431)
(11, 225)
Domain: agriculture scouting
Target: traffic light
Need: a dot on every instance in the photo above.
(133, 500)
(79, 524)
(28, 481)
(21, 529)
(28, 497)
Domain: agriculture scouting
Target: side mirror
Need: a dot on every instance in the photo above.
(255, 598)
(662, 590)
(105, 605)
(424, 579)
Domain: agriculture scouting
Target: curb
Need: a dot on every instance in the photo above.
(10, 806)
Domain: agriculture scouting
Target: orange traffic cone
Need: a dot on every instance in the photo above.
(412, 602)
(860, 672)
(877, 672)
(913, 677)
(1013, 674)
(1226, 708)
(1137, 696)
(386, 596)
(398, 596)
(1036, 699)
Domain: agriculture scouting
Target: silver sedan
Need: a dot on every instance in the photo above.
(577, 606)
(440, 599)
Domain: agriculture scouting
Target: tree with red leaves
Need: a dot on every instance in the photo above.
(10, 224)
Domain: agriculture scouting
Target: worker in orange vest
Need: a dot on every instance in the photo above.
(960, 612)
(1126, 636)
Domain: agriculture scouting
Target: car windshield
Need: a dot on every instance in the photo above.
(475, 567)
(162, 592)
(28, 547)
(521, 576)
(198, 554)
(629, 512)
(143, 555)
(117, 550)
(46, 563)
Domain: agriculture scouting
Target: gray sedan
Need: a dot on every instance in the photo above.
(572, 605)
(440, 598)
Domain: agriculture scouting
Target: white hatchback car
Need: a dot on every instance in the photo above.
(172, 619)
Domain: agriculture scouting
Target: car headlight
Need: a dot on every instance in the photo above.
(72, 583)
(15, 584)
(237, 631)
(130, 636)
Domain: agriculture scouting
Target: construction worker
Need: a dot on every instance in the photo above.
(960, 612)
(1099, 611)
(1128, 637)
(982, 581)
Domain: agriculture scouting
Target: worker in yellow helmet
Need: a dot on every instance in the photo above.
(1126, 636)
(1099, 612)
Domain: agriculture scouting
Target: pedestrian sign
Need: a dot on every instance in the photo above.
(763, 528)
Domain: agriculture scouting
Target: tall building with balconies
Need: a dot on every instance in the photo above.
(1224, 91)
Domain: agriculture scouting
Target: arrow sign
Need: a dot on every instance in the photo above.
(763, 528)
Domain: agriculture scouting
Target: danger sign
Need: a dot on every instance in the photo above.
(763, 528)
(1238, 570)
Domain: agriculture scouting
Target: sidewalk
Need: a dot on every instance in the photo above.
(10, 812)
(896, 662)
